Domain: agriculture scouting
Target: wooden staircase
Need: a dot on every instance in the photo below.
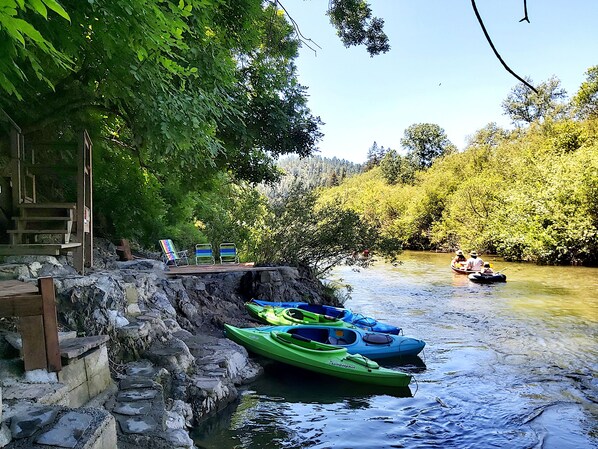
(54, 221)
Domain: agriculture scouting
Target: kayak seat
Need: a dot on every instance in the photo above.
(296, 314)
(377, 339)
(338, 341)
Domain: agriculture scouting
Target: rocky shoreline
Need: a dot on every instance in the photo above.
(170, 363)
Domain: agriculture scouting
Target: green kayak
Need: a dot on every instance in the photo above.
(322, 358)
(279, 316)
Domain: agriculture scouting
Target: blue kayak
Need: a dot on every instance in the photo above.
(346, 315)
(373, 345)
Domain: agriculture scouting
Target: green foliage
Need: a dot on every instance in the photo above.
(355, 25)
(21, 42)
(181, 99)
(298, 231)
(374, 156)
(311, 172)
(526, 195)
(229, 212)
(586, 99)
(425, 142)
(525, 106)
(396, 168)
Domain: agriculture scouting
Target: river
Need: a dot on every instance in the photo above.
(510, 365)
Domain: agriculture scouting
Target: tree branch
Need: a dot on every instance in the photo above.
(526, 18)
(508, 69)
(305, 40)
(473, 207)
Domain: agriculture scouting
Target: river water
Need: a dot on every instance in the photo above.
(510, 365)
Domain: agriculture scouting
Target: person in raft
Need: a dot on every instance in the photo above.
(474, 263)
(487, 270)
(459, 259)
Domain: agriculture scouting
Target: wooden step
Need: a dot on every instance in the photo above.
(37, 231)
(47, 206)
(38, 249)
(40, 218)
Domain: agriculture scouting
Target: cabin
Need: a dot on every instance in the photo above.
(46, 195)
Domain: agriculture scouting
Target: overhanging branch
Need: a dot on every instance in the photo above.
(525, 18)
(508, 69)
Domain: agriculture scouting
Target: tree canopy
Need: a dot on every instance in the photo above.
(425, 142)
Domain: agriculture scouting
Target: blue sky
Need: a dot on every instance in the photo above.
(440, 68)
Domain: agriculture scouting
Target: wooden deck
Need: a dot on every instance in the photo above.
(12, 288)
(198, 270)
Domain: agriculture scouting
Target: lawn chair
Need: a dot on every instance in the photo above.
(203, 254)
(228, 253)
(171, 256)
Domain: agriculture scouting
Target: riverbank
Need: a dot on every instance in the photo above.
(170, 365)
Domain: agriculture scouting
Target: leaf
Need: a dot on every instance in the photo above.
(39, 6)
(13, 30)
(54, 6)
(8, 86)
(27, 29)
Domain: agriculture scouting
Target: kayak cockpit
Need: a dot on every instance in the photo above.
(301, 342)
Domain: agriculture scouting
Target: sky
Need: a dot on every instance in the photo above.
(440, 68)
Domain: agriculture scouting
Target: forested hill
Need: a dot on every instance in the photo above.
(312, 172)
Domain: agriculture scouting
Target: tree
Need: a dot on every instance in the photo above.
(490, 135)
(184, 90)
(299, 232)
(525, 106)
(425, 142)
(586, 99)
(396, 168)
(355, 25)
(374, 156)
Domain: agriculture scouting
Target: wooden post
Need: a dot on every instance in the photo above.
(83, 256)
(46, 289)
(34, 342)
(15, 171)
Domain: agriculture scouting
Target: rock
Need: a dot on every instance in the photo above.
(27, 423)
(14, 271)
(40, 376)
(173, 355)
(142, 265)
(5, 435)
(67, 431)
